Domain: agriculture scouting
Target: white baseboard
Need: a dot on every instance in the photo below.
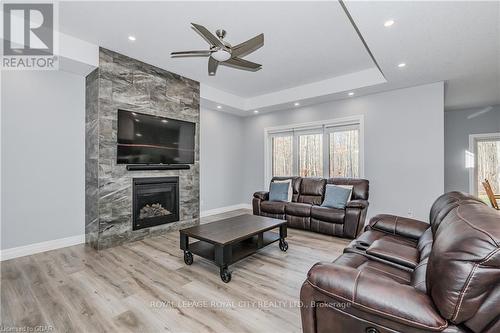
(26, 250)
(226, 209)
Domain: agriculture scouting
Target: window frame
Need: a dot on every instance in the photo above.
(473, 140)
(325, 127)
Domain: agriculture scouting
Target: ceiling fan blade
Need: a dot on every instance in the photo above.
(207, 35)
(212, 66)
(242, 64)
(191, 53)
(249, 46)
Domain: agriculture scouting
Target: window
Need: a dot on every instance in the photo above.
(331, 149)
(344, 152)
(485, 152)
(311, 155)
(282, 155)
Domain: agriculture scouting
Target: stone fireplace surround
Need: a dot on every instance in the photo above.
(124, 83)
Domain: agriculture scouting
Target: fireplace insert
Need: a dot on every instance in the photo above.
(155, 201)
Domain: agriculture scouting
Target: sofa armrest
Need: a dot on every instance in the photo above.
(362, 204)
(262, 195)
(372, 295)
(355, 214)
(397, 225)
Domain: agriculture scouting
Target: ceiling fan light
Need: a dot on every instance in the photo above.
(221, 55)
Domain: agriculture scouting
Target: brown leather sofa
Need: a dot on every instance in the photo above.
(305, 211)
(405, 275)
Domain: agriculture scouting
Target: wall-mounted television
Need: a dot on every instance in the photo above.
(148, 139)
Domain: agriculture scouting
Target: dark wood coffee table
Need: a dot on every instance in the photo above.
(226, 241)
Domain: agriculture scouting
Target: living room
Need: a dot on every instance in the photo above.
(225, 166)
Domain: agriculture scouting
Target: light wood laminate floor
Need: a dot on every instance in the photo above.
(146, 287)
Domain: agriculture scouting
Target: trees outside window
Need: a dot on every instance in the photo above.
(282, 155)
(344, 153)
(488, 166)
(311, 155)
(323, 151)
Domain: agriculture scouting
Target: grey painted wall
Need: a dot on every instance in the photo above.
(457, 128)
(221, 159)
(43, 156)
(403, 145)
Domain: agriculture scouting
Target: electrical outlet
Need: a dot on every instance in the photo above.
(410, 212)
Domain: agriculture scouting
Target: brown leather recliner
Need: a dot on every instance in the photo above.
(405, 275)
(305, 211)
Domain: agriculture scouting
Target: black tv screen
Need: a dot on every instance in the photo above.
(148, 139)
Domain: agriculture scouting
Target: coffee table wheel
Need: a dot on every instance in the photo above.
(283, 245)
(188, 257)
(225, 274)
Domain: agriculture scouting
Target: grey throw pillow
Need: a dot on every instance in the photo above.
(278, 191)
(336, 196)
(290, 190)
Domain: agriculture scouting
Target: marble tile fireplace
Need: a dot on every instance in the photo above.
(112, 190)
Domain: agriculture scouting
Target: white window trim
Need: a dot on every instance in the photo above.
(473, 138)
(269, 132)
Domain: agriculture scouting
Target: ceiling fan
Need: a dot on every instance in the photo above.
(221, 52)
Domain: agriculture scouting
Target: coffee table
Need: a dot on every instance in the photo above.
(226, 241)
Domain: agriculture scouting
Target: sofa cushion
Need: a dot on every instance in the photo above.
(312, 191)
(464, 264)
(446, 203)
(373, 298)
(360, 187)
(273, 207)
(298, 209)
(326, 214)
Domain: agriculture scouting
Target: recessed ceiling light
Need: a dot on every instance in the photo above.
(138, 134)
(255, 111)
(296, 104)
(219, 107)
(136, 120)
(164, 121)
(131, 38)
(401, 65)
(388, 23)
(351, 93)
(135, 114)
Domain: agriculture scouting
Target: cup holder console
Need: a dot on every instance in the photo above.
(363, 246)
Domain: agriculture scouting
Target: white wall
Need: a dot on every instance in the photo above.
(403, 145)
(458, 125)
(221, 160)
(43, 156)
(43, 131)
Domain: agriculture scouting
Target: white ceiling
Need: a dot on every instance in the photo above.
(453, 41)
(304, 41)
(311, 44)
